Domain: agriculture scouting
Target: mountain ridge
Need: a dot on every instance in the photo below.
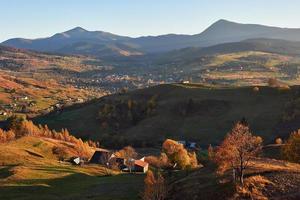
(222, 31)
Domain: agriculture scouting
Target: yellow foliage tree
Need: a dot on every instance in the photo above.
(178, 155)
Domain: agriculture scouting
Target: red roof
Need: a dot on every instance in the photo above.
(140, 163)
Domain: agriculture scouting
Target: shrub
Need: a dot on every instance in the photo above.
(291, 149)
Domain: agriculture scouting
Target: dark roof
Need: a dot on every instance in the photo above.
(99, 155)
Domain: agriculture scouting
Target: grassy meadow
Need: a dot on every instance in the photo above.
(29, 170)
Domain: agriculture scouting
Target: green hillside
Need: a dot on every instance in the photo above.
(191, 112)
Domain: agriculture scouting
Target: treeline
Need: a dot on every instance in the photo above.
(20, 127)
(125, 113)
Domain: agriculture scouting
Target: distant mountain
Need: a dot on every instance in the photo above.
(99, 50)
(225, 31)
(76, 41)
(220, 32)
(261, 44)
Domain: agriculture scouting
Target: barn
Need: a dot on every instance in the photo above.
(101, 157)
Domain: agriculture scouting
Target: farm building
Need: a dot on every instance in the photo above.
(101, 157)
(76, 160)
(140, 166)
(107, 158)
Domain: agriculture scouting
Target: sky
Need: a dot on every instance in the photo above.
(43, 18)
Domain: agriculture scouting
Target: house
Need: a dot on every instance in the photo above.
(188, 144)
(140, 166)
(192, 145)
(101, 156)
(120, 162)
(76, 160)
(182, 142)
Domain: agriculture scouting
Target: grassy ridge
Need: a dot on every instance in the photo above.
(213, 113)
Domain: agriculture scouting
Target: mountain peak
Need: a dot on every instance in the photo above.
(223, 22)
(76, 30)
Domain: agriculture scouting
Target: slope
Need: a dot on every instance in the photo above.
(29, 170)
(191, 112)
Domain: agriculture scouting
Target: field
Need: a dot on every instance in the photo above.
(193, 112)
(29, 170)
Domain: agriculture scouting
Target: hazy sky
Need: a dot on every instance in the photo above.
(41, 18)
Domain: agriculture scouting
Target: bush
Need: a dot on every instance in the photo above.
(291, 149)
(278, 141)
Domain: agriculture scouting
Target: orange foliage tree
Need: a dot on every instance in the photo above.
(155, 187)
(6, 136)
(20, 127)
(159, 162)
(237, 149)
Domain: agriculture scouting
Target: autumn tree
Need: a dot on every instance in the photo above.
(161, 161)
(155, 187)
(291, 149)
(178, 155)
(81, 149)
(10, 135)
(237, 149)
(2, 136)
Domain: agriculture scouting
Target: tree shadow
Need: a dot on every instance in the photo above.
(76, 186)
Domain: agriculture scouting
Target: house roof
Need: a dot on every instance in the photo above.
(99, 155)
(140, 163)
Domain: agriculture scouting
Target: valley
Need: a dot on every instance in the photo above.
(96, 115)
